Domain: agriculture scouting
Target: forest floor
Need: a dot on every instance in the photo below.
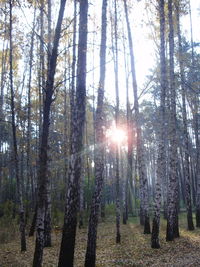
(134, 249)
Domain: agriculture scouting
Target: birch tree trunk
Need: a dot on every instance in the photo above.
(90, 257)
(42, 172)
(47, 220)
(77, 134)
(172, 220)
(186, 164)
(161, 160)
(15, 147)
(140, 145)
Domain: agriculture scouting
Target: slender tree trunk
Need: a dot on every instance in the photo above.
(15, 148)
(140, 145)
(90, 257)
(29, 157)
(196, 128)
(161, 160)
(42, 172)
(47, 220)
(172, 218)
(129, 181)
(33, 224)
(186, 164)
(117, 148)
(82, 179)
(72, 91)
(78, 124)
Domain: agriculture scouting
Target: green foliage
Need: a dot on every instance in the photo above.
(110, 209)
(6, 209)
(8, 225)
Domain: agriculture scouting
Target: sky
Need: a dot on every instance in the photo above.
(144, 46)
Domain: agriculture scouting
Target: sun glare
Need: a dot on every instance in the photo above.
(116, 135)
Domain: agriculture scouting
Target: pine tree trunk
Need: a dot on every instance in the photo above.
(78, 124)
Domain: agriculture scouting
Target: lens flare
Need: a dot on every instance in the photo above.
(116, 135)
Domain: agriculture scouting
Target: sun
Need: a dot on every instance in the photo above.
(116, 135)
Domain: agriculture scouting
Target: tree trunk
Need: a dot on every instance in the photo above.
(42, 172)
(186, 164)
(140, 145)
(161, 160)
(15, 148)
(117, 148)
(47, 220)
(72, 91)
(29, 157)
(196, 129)
(90, 257)
(173, 178)
(129, 179)
(78, 123)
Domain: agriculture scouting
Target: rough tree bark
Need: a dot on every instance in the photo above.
(47, 220)
(90, 257)
(42, 172)
(161, 160)
(78, 124)
(140, 145)
(172, 216)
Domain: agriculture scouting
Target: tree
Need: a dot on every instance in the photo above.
(161, 159)
(90, 257)
(72, 200)
(140, 145)
(117, 148)
(172, 216)
(186, 164)
(42, 172)
(15, 147)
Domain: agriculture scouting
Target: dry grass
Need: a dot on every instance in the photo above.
(134, 249)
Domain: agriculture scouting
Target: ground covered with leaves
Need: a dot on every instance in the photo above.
(134, 249)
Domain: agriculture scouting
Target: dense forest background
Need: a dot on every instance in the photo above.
(99, 118)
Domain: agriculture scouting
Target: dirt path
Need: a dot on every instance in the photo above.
(134, 249)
